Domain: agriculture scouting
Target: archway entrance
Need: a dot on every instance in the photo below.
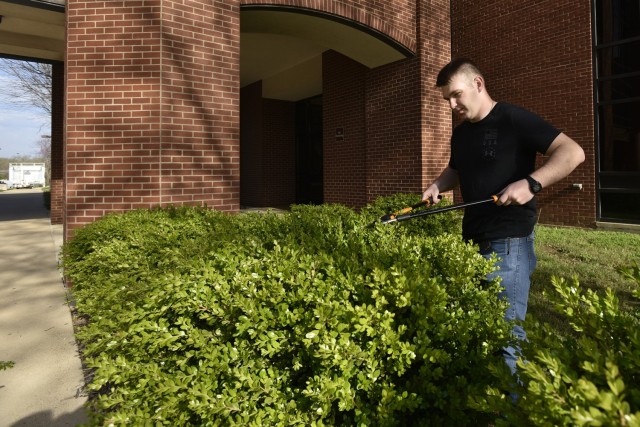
(281, 107)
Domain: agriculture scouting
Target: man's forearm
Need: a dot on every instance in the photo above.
(564, 156)
(448, 180)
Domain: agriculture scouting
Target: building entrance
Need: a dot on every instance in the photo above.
(309, 168)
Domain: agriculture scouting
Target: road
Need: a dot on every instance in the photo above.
(17, 205)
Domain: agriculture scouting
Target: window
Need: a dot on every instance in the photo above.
(617, 72)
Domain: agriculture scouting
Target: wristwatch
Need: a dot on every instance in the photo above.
(534, 185)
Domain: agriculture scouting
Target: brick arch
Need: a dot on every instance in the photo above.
(392, 21)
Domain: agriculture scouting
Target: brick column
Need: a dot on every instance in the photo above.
(57, 144)
(408, 123)
(434, 41)
(393, 115)
(344, 98)
(153, 106)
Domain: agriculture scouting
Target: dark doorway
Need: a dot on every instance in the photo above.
(309, 151)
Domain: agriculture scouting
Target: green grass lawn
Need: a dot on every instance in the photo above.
(593, 256)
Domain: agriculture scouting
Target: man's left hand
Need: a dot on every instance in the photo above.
(516, 193)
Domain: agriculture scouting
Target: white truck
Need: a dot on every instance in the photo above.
(26, 175)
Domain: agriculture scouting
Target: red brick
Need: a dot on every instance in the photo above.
(153, 102)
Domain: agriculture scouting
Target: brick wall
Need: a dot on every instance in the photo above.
(251, 145)
(396, 127)
(537, 54)
(279, 164)
(379, 110)
(268, 174)
(152, 113)
(343, 102)
(394, 133)
(408, 124)
(200, 103)
(434, 41)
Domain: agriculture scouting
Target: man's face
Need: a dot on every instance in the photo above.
(463, 96)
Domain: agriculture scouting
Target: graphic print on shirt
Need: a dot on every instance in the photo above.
(489, 144)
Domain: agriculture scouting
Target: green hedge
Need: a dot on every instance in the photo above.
(307, 318)
(590, 377)
(314, 317)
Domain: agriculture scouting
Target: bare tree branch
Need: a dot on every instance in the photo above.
(30, 84)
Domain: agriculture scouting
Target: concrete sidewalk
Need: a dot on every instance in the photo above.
(45, 387)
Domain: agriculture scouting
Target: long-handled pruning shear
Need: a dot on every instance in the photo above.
(406, 214)
(389, 217)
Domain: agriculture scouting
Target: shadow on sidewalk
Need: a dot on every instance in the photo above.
(45, 418)
(18, 205)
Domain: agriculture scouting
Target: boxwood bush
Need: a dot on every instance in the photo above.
(314, 317)
(591, 377)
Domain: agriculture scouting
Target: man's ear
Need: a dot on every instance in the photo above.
(478, 82)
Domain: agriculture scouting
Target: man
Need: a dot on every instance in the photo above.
(493, 152)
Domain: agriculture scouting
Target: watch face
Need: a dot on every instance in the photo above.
(534, 185)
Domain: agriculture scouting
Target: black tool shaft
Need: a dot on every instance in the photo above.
(440, 210)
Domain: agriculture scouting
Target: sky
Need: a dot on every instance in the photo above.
(20, 127)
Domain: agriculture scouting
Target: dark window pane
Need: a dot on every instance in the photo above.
(620, 207)
(619, 88)
(619, 128)
(619, 59)
(617, 20)
(620, 181)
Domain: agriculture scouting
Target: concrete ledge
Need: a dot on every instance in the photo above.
(616, 226)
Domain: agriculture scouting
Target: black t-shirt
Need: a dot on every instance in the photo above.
(491, 154)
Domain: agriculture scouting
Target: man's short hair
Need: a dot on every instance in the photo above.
(458, 65)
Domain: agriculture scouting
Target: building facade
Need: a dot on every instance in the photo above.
(241, 103)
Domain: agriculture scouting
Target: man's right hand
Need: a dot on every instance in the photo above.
(431, 194)
(448, 180)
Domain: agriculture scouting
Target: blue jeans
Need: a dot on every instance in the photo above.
(516, 261)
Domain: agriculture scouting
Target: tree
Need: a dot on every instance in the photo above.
(29, 87)
(31, 83)
(44, 150)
